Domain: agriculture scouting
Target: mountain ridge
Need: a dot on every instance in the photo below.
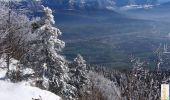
(96, 4)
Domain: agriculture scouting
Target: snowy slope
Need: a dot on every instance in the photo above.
(21, 90)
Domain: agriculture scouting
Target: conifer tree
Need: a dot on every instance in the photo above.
(44, 57)
(79, 75)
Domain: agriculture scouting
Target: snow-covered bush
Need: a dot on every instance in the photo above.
(108, 88)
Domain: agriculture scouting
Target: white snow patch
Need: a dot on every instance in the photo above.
(13, 64)
(132, 7)
(21, 91)
(2, 61)
(28, 71)
(2, 73)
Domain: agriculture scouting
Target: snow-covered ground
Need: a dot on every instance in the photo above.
(21, 90)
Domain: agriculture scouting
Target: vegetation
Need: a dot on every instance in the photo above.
(109, 39)
(34, 44)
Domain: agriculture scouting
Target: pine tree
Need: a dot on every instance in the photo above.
(79, 75)
(50, 67)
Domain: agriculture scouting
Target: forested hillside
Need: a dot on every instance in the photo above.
(32, 61)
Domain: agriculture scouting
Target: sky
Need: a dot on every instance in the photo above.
(162, 1)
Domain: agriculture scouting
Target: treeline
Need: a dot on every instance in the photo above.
(135, 84)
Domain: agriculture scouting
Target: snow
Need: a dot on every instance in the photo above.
(106, 86)
(22, 90)
(27, 71)
(2, 61)
(13, 64)
(132, 7)
(2, 74)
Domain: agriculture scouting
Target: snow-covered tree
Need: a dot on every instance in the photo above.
(44, 57)
(79, 75)
(14, 29)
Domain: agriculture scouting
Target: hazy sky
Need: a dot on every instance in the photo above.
(164, 0)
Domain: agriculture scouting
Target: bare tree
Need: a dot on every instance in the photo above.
(13, 29)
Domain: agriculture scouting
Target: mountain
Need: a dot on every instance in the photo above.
(96, 4)
(164, 6)
(80, 4)
(121, 3)
(159, 12)
(99, 4)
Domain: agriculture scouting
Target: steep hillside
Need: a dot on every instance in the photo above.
(22, 90)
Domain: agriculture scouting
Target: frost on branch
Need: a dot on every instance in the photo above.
(43, 57)
(48, 16)
(79, 75)
(14, 29)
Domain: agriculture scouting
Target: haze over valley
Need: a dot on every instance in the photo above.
(112, 37)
